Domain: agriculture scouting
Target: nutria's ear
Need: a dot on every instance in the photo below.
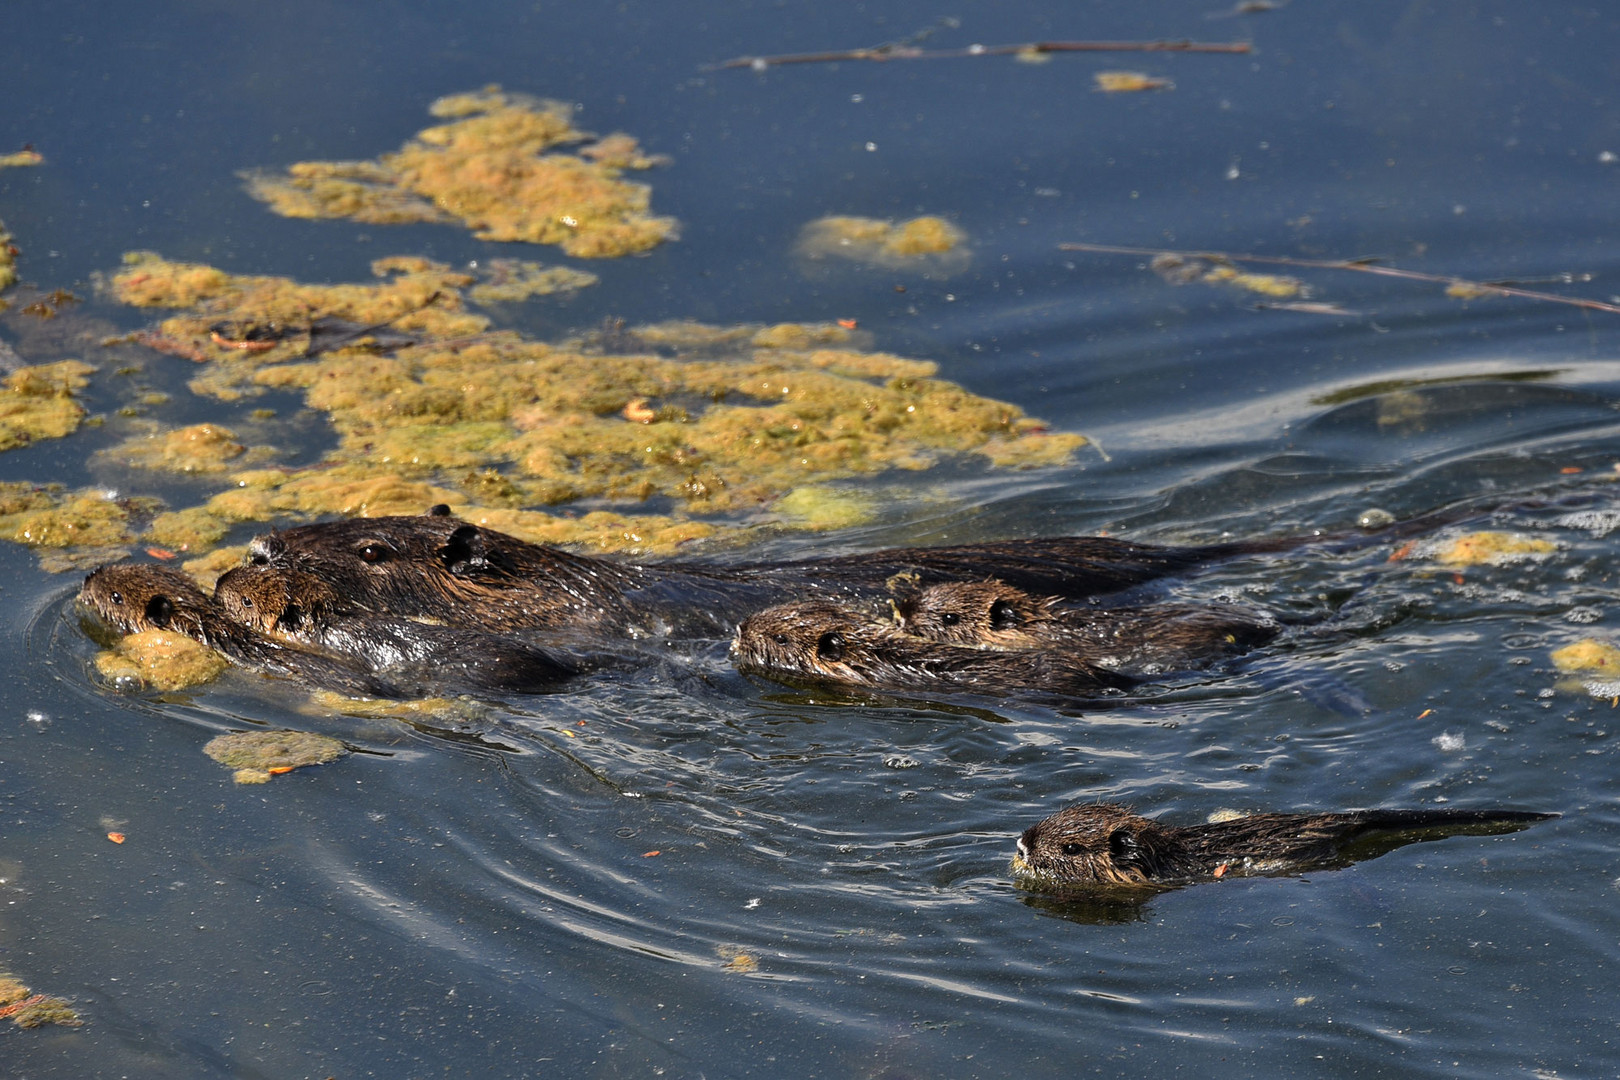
(830, 647)
(1003, 616)
(463, 551)
(159, 610)
(1122, 846)
(439, 510)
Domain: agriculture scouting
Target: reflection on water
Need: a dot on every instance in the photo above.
(688, 870)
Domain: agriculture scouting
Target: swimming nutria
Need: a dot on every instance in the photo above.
(823, 642)
(439, 567)
(384, 657)
(1102, 844)
(1142, 640)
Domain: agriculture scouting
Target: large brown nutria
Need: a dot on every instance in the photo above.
(1102, 844)
(1141, 640)
(370, 657)
(438, 567)
(822, 642)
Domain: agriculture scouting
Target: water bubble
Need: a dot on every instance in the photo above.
(1374, 518)
(1450, 741)
(900, 761)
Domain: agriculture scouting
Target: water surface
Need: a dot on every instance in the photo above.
(699, 874)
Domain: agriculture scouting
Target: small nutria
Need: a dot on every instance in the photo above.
(136, 597)
(438, 567)
(1142, 640)
(1102, 844)
(369, 657)
(823, 642)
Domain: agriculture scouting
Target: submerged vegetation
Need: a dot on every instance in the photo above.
(928, 242)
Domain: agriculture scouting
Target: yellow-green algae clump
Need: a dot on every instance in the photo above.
(495, 168)
(1588, 656)
(926, 242)
(508, 281)
(712, 420)
(48, 516)
(27, 1009)
(197, 448)
(161, 660)
(38, 402)
(8, 261)
(1492, 548)
(258, 755)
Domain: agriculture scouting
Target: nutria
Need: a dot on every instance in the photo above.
(135, 597)
(370, 657)
(438, 567)
(1101, 844)
(1141, 640)
(822, 642)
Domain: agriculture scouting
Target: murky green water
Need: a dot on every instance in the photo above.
(691, 873)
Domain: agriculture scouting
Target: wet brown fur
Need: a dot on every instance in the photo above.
(439, 567)
(372, 656)
(825, 642)
(1103, 844)
(1142, 640)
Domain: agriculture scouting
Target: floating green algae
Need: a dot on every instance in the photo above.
(197, 448)
(159, 660)
(493, 168)
(712, 420)
(258, 755)
(27, 1009)
(8, 261)
(38, 402)
(48, 516)
(926, 242)
(508, 281)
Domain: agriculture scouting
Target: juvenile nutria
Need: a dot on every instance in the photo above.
(1102, 844)
(823, 642)
(135, 597)
(368, 656)
(1142, 640)
(439, 567)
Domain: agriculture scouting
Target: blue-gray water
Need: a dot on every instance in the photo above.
(480, 901)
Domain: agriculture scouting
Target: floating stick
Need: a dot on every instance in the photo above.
(1369, 265)
(1036, 48)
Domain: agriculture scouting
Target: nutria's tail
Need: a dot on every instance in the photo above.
(1449, 820)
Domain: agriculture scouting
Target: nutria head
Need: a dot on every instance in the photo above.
(975, 613)
(1092, 844)
(133, 597)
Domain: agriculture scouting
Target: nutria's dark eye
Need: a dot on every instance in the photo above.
(245, 601)
(116, 597)
(1073, 849)
(949, 618)
(830, 647)
(374, 552)
(780, 639)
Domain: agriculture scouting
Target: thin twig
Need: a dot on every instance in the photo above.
(1365, 266)
(912, 52)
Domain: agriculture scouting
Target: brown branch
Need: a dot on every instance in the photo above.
(912, 52)
(1365, 266)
